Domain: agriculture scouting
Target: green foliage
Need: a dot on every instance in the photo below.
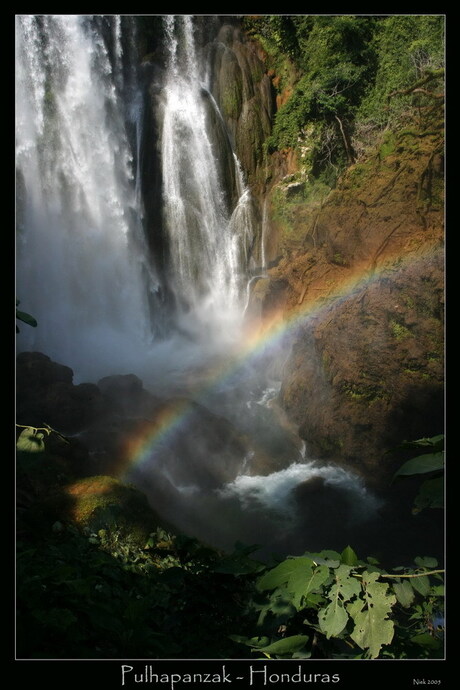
(335, 75)
(347, 609)
(25, 317)
(370, 612)
(422, 464)
(30, 441)
(431, 492)
(406, 47)
(97, 595)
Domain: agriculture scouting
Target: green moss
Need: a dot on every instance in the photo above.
(409, 302)
(367, 393)
(418, 373)
(329, 445)
(388, 145)
(399, 331)
(106, 503)
(231, 101)
(339, 259)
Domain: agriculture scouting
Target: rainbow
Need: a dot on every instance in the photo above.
(256, 340)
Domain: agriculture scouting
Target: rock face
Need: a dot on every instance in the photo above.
(363, 271)
(244, 93)
(45, 393)
(367, 372)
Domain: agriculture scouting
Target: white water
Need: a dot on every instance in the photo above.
(80, 255)
(275, 491)
(208, 241)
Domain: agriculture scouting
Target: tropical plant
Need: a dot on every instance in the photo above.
(332, 605)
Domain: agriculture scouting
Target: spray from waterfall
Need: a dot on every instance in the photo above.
(81, 264)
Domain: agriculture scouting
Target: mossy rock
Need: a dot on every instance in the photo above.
(104, 502)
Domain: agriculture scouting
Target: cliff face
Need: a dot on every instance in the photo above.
(366, 260)
(366, 371)
(244, 93)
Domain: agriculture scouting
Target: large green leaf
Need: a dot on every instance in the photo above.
(26, 318)
(333, 618)
(288, 645)
(30, 441)
(427, 640)
(430, 495)
(370, 614)
(422, 464)
(279, 608)
(426, 561)
(319, 576)
(325, 557)
(349, 557)
(288, 573)
(421, 584)
(404, 593)
(251, 641)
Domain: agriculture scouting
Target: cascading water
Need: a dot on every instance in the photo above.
(209, 235)
(81, 268)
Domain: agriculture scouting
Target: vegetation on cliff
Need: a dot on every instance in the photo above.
(343, 79)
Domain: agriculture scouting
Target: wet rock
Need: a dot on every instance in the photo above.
(126, 395)
(45, 394)
(367, 372)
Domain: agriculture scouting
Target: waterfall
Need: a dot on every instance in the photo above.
(206, 216)
(81, 260)
(85, 267)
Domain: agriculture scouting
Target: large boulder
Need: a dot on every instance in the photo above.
(45, 393)
(367, 372)
(102, 502)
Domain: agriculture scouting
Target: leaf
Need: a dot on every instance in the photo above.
(282, 574)
(333, 618)
(427, 640)
(426, 562)
(422, 464)
(372, 626)
(421, 584)
(318, 578)
(287, 645)
(30, 441)
(250, 641)
(404, 593)
(435, 442)
(26, 318)
(329, 558)
(349, 557)
(430, 495)
(279, 607)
